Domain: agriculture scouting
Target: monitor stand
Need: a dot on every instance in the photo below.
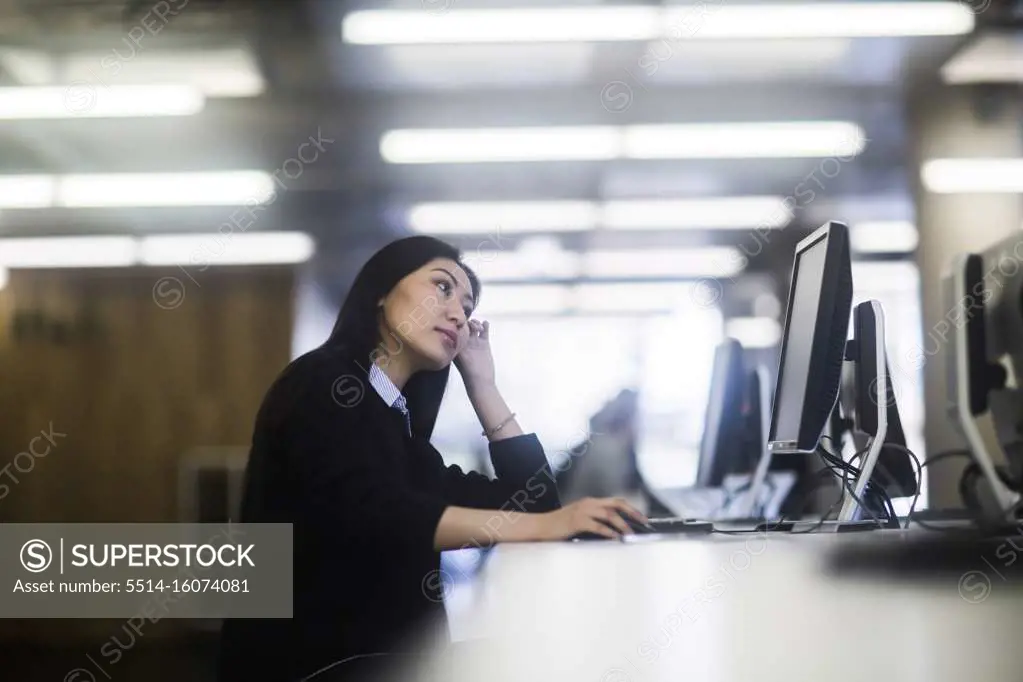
(848, 517)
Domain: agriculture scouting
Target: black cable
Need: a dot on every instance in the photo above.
(973, 473)
(834, 462)
(838, 445)
(893, 517)
(825, 515)
(849, 469)
(885, 499)
(920, 467)
(919, 476)
(882, 474)
(970, 472)
(833, 465)
(872, 491)
(947, 455)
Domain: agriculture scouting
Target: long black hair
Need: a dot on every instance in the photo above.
(356, 332)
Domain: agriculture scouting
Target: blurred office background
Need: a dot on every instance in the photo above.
(188, 187)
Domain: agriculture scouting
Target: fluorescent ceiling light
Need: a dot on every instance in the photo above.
(758, 55)
(600, 143)
(744, 140)
(495, 217)
(884, 236)
(705, 262)
(450, 67)
(230, 188)
(538, 258)
(67, 252)
(227, 72)
(511, 299)
(698, 62)
(710, 213)
(230, 249)
(227, 188)
(992, 58)
(82, 100)
(393, 27)
(535, 258)
(825, 20)
(754, 332)
(27, 191)
(631, 297)
(975, 176)
(480, 145)
(179, 249)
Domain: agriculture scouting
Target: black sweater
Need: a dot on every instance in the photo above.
(365, 500)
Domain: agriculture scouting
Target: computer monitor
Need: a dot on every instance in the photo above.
(875, 416)
(813, 340)
(1004, 330)
(723, 445)
(971, 377)
(894, 471)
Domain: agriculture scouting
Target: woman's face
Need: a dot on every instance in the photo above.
(428, 312)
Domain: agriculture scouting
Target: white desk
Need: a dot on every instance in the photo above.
(730, 609)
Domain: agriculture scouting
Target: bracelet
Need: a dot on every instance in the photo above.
(500, 426)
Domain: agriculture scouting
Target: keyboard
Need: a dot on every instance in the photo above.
(673, 524)
(753, 524)
(662, 526)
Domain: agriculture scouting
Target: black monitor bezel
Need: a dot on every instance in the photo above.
(837, 263)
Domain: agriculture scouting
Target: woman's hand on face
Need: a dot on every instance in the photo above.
(475, 362)
(602, 516)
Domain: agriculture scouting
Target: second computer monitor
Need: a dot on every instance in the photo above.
(723, 446)
(893, 471)
(1003, 282)
(813, 341)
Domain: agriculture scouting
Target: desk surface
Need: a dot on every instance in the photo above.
(733, 609)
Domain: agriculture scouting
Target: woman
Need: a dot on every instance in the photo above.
(341, 450)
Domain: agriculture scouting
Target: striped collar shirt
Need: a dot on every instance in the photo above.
(390, 393)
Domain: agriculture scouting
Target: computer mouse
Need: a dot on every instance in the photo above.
(589, 536)
(637, 527)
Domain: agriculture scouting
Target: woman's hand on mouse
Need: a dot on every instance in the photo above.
(600, 515)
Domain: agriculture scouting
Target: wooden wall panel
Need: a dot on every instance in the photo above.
(141, 388)
(135, 387)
